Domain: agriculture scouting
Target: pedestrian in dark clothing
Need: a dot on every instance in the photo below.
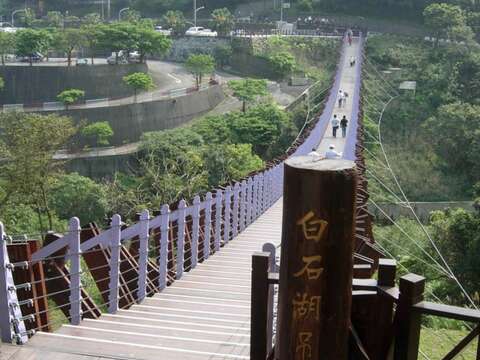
(343, 125)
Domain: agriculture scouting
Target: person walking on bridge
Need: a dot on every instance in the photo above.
(335, 124)
(343, 125)
(340, 98)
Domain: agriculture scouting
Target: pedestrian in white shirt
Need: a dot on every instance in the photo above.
(331, 153)
(313, 153)
(335, 125)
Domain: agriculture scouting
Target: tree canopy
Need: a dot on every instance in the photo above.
(248, 90)
(139, 82)
(70, 96)
(200, 65)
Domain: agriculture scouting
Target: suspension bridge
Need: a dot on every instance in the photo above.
(180, 282)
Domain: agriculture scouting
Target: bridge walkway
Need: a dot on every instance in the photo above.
(203, 315)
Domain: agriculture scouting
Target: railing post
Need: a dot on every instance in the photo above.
(228, 211)
(316, 259)
(10, 313)
(249, 202)
(271, 250)
(218, 219)
(195, 230)
(115, 246)
(143, 255)
(407, 337)
(236, 203)
(259, 307)
(181, 238)
(243, 205)
(254, 199)
(208, 225)
(162, 258)
(260, 195)
(74, 254)
(387, 270)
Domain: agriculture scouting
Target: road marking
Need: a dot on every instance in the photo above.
(177, 80)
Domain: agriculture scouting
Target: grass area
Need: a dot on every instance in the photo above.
(436, 343)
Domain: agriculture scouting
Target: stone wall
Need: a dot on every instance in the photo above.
(130, 121)
(37, 84)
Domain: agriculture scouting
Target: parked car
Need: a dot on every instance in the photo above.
(200, 31)
(36, 57)
(163, 31)
(134, 56)
(82, 61)
(122, 59)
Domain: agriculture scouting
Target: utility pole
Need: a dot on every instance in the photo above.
(108, 9)
(281, 10)
(195, 13)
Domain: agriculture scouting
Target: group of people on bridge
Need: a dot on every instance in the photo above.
(343, 123)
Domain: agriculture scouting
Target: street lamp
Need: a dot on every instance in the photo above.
(195, 10)
(13, 14)
(121, 11)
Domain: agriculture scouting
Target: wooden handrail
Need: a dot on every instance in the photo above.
(447, 311)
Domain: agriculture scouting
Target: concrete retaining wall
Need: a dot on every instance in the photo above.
(103, 166)
(129, 122)
(37, 84)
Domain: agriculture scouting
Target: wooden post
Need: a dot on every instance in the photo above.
(74, 254)
(407, 337)
(259, 307)
(315, 292)
(387, 270)
(271, 250)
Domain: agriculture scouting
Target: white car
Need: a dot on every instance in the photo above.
(163, 31)
(200, 31)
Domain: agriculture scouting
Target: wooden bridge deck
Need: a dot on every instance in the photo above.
(204, 315)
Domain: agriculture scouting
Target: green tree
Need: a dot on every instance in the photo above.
(69, 40)
(152, 43)
(2, 83)
(260, 126)
(28, 142)
(75, 195)
(30, 41)
(199, 65)
(457, 234)
(139, 82)
(28, 17)
(70, 96)
(55, 19)
(442, 17)
(222, 21)
(7, 44)
(248, 90)
(305, 5)
(118, 36)
(214, 129)
(229, 162)
(99, 132)
(92, 19)
(222, 55)
(132, 16)
(176, 21)
(283, 63)
(91, 34)
(454, 132)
